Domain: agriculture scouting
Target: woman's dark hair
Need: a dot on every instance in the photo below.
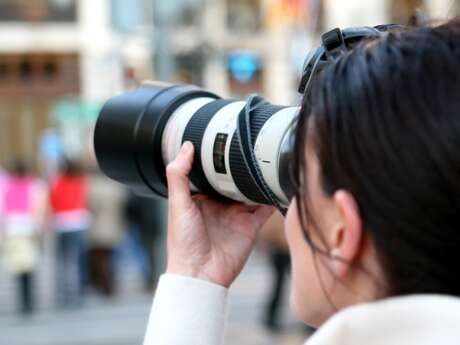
(70, 167)
(385, 121)
(19, 168)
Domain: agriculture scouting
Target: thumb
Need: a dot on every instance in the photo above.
(177, 175)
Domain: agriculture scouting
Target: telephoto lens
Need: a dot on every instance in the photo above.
(242, 148)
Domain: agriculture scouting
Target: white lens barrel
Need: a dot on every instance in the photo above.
(223, 124)
(175, 127)
(267, 148)
(216, 142)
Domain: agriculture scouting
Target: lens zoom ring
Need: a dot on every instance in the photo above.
(194, 133)
(241, 175)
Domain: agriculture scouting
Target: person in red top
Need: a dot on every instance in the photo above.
(71, 219)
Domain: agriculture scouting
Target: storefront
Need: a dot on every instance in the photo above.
(29, 85)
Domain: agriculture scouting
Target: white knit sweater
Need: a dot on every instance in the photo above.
(189, 311)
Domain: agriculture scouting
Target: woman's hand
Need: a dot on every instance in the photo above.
(207, 239)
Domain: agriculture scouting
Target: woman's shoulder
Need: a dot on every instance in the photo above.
(421, 319)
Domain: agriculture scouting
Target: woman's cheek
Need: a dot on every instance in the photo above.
(293, 230)
(306, 298)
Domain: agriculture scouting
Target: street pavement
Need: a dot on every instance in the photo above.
(122, 320)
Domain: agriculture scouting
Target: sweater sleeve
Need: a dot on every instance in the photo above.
(187, 311)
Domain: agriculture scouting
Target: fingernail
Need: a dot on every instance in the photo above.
(187, 146)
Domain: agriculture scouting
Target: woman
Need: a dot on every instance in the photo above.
(69, 204)
(22, 197)
(373, 228)
(106, 200)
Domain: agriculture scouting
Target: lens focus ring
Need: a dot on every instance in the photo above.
(241, 175)
(194, 132)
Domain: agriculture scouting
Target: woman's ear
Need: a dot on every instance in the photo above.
(346, 238)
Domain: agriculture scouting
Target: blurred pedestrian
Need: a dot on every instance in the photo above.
(3, 177)
(273, 234)
(69, 204)
(50, 152)
(107, 199)
(22, 199)
(152, 226)
(147, 219)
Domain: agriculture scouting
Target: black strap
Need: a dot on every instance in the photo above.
(243, 131)
(334, 43)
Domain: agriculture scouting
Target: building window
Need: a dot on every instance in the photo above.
(244, 15)
(3, 71)
(38, 10)
(25, 70)
(49, 70)
(191, 14)
(38, 74)
(189, 67)
(179, 13)
(406, 11)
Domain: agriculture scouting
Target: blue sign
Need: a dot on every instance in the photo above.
(51, 146)
(244, 66)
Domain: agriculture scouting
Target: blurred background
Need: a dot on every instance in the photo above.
(80, 256)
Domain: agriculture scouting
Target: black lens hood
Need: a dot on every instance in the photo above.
(129, 130)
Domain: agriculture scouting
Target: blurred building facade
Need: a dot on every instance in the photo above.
(236, 47)
(61, 59)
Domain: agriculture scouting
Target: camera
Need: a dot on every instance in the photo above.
(243, 148)
(139, 133)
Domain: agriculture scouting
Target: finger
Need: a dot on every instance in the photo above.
(177, 175)
(262, 214)
(200, 197)
(252, 208)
